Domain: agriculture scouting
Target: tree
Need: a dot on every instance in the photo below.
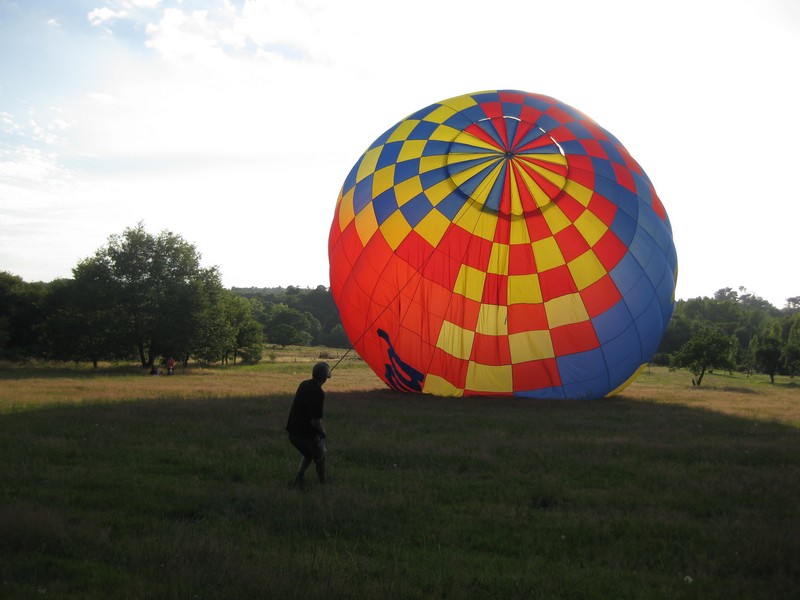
(82, 324)
(768, 356)
(21, 315)
(248, 333)
(163, 295)
(708, 348)
(792, 348)
(286, 325)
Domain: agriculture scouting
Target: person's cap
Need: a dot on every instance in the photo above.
(321, 371)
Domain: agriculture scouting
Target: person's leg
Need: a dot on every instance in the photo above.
(319, 459)
(305, 462)
(320, 466)
(305, 447)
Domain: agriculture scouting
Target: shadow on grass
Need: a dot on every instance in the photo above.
(429, 497)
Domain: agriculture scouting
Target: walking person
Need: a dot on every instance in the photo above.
(304, 426)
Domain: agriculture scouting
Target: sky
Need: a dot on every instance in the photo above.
(235, 122)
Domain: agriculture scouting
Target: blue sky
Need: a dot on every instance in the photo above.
(234, 123)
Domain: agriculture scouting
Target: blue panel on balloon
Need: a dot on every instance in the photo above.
(549, 393)
(579, 131)
(642, 189)
(626, 348)
(406, 170)
(626, 274)
(450, 206)
(573, 147)
(628, 202)
(641, 247)
(362, 194)
(436, 148)
(650, 328)
(624, 227)
(612, 153)
(384, 205)
(538, 103)
(582, 372)
(423, 130)
(604, 170)
(512, 109)
(547, 123)
(389, 154)
(655, 268)
(612, 322)
(415, 209)
(431, 178)
(640, 297)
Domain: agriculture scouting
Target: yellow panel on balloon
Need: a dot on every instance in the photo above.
(439, 192)
(556, 219)
(440, 387)
(530, 345)
(433, 227)
(408, 189)
(382, 180)
(548, 254)
(476, 221)
(368, 163)
(524, 289)
(489, 378)
(411, 149)
(590, 227)
(431, 163)
(345, 209)
(519, 231)
(492, 320)
(403, 130)
(395, 229)
(586, 269)
(443, 133)
(455, 340)
(439, 115)
(565, 310)
(498, 260)
(470, 283)
(366, 224)
(581, 193)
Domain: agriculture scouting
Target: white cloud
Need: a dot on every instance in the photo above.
(101, 16)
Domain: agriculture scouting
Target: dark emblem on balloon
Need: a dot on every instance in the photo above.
(399, 374)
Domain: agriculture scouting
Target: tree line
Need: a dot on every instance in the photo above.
(733, 330)
(146, 297)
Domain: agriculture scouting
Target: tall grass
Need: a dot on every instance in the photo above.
(117, 484)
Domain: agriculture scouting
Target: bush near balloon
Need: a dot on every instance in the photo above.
(184, 493)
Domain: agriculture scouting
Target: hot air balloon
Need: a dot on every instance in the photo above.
(502, 243)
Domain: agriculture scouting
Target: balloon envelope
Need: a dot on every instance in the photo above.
(503, 243)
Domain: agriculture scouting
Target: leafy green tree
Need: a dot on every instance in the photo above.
(792, 347)
(21, 315)
(82, 325)
(248, 333)
(165, 297)
(286, 325)
(768, 354)
(708, 348)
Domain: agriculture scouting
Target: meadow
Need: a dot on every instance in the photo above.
(116, 484)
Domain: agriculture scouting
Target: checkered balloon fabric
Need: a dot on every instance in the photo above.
(502, 243)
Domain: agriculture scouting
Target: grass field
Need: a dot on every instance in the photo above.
(115, 484)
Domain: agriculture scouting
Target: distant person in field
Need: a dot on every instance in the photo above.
(170, 366)
(306, 432)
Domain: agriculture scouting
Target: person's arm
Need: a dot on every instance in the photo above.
(317, 425)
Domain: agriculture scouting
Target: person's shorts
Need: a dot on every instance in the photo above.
(313, 448)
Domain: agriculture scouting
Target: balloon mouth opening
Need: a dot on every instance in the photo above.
(507, 165)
